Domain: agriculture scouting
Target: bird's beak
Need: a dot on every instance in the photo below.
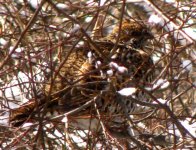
(148, 34)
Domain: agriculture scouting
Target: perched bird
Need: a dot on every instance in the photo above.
(86, 75)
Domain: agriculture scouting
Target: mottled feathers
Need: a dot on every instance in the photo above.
(85, 74)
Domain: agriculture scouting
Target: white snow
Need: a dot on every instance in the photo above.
(34, 3)
(4, 119)
(154, 19)
(190, 127)
(162, 101)
(110, 72)
(187, 65)
(3, 41)
(102, 2)
(163, 83)
(80, 142)
(75, 28)
(190, 32)
(156, 57)
(58, 134)
(122, 69)
(18, 88)
(52, 26)
(64, 119)
(97, 64)
(170, 1)
(61, 6)
(186, 123)
(89, 54)
(127, 91)
(88, 19)
(26, 125)
(55, 134)
(13, 90)
(114, 56)
(18, 50)
(80, 43)
(113, 65)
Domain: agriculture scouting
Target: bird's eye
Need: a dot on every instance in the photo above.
(135, 33)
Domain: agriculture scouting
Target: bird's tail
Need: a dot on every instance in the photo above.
(20, 115)
(27, 111)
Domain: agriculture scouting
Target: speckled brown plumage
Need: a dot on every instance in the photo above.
(85, 74)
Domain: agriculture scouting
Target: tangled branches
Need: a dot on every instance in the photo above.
(57, 58)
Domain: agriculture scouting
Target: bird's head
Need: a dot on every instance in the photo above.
(131, 33)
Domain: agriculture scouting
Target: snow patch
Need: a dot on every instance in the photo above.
(122, 69)
(127, 91)
(113, 65)
(191, 127)
(4, 119)
(162, 101)
(61, 6)
(162, 83)
(187, 65)
(88, 19)
(34, 3)
(3, 41)
(26, 125)
(65, 119)
(190, 32)
(110, 72)
(154, 19)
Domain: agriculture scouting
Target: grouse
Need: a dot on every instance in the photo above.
(95, 71)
